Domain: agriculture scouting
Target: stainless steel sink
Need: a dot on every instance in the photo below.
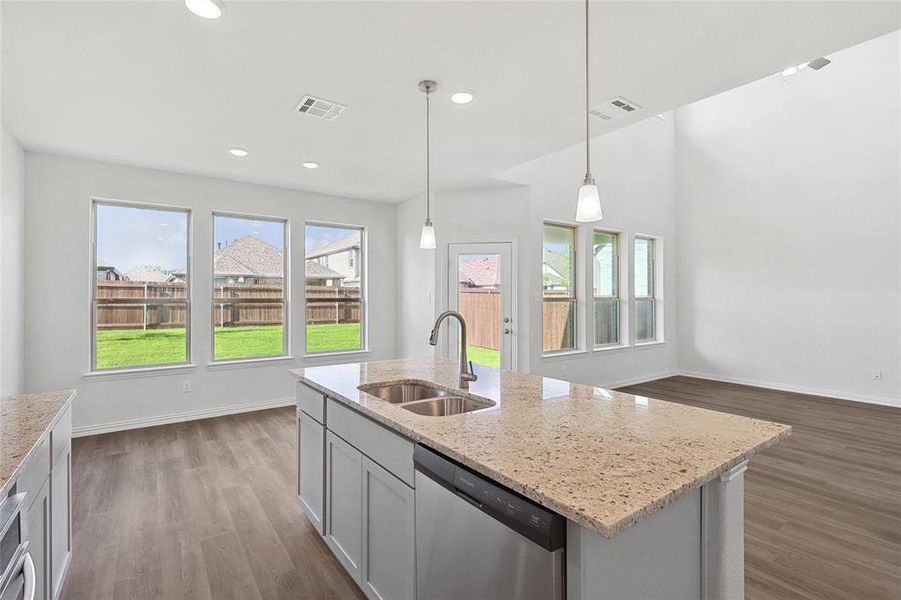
(399, 393)
(447, 405)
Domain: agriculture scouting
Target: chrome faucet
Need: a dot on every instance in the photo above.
(466, 372)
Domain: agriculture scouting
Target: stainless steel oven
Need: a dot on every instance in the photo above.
(16, 567)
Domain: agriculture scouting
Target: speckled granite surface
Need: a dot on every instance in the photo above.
(601, 458)
(23, 420)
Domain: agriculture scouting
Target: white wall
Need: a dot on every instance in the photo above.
(789, 229)
(12, 212)
(634, 168)
(57, 287)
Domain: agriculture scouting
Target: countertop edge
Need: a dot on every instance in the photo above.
(7, 485)
(606, 530)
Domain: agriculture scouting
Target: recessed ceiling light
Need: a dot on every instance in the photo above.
(240, 152)
(462, 97)
(207, 9)
(164, 224)
(310, 164)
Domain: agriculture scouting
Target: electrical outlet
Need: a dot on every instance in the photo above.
(877, 374)
(185, 386)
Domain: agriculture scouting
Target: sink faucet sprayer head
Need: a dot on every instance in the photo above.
(433, 337)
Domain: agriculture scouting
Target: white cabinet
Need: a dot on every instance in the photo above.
(60, 518)
(388, 567)
(311, 474)
(344, 506)
(38, 517)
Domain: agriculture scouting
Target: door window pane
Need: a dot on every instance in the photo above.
(606, 288)
(141, 288)
(335, 288)
(249, 282)
(559, 288)
(479, 301)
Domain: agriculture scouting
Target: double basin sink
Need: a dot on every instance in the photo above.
(425, 399)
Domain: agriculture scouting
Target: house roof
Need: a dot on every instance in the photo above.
(480, 272)
(554, 266)
(249, 256)
(345, 243)
(314, 270)
(148, 273)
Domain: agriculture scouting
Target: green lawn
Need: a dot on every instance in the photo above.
(118, 348)
(483, 356)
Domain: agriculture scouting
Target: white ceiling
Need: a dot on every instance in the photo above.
(150, 84)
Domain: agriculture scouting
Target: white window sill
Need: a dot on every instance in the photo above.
(562, 355)
(610, 347)
(648, 344)
(138, 373)
(240, 363)
(335, 354)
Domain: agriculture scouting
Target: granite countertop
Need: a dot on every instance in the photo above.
(24, 419)
(601, 458)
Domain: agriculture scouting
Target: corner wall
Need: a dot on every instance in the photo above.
(12, 213)
(57, 290)
(789, 227)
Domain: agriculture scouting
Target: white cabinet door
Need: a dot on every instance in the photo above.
(60, 519)
(39, 541)
(311, 468)
(344, 507)
(389, 570)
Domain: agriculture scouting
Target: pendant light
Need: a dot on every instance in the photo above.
(427, 237)
(588, 208)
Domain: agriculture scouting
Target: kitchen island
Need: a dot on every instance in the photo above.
(651, 490)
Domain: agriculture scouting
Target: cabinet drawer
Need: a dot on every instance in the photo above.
(311, 402)
(390, 450)
(61, 435)
(35, 471)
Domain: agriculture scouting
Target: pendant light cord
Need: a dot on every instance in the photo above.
(587, 138)
(428, 158)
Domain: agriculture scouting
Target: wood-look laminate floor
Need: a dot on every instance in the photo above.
(204, 509)
(207, 509)
(822, 509)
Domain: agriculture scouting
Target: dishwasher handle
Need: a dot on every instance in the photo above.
(531, 520)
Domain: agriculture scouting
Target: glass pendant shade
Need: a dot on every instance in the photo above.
(588, 210)
(427, 237)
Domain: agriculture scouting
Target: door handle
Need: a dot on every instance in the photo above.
(28, 570)
(508, 331)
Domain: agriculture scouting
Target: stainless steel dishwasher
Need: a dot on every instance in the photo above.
(476, 540)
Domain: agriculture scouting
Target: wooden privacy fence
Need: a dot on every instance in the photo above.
(557, 321)
(481, 308)
(138, 305)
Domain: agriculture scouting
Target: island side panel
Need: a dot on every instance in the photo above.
(723, 519)
(659, 557)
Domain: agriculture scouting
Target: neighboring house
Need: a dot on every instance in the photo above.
(555, 271)
(480, 272)
(248, 260)
(316, 274)
(343, 256)
(107, 272)
(150, 274)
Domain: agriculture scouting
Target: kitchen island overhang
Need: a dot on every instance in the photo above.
(623, 469)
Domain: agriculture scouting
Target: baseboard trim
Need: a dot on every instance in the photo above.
(636, 380)
(798, 389)
(193, 415)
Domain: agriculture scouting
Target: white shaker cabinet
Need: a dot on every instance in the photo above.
(311, 474)
(344, 506)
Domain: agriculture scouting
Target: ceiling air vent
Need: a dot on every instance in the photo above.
(319, 108)
(613, 108)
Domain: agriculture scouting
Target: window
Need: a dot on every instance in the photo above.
(558, 277)
(645, 290)
(141, 292)
(605, 265)
(334, 288)
(249, 303)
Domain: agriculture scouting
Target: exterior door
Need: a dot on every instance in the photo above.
(480, 287)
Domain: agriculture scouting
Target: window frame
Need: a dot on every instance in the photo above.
(286, 288)
(92, 370)
(575, 290)
(363, 269)
(655, 288)
(621, 316)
